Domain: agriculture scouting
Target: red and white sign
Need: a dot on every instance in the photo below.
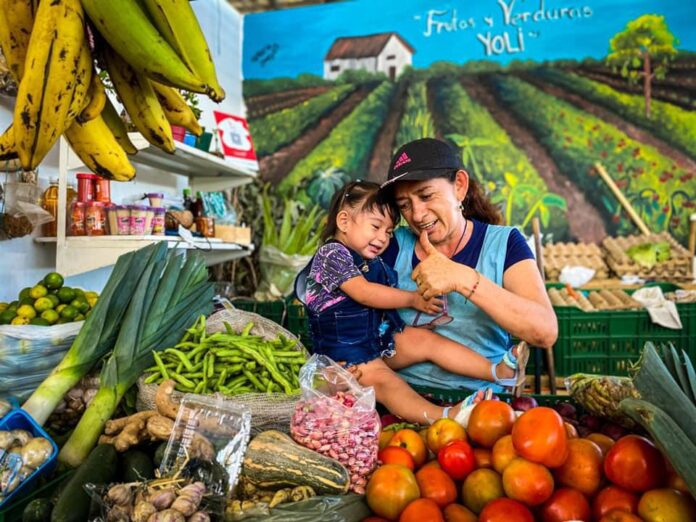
(235, 139)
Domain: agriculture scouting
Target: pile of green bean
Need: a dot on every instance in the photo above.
(229, 362)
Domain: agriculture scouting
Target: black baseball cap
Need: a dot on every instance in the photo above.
(422, 159)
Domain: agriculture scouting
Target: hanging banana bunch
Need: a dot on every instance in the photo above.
(55, 50)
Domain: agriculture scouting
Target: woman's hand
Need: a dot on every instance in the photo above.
(432, 306)
(436, 274)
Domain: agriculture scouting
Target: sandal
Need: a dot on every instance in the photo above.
(469, 402)
(518, 364)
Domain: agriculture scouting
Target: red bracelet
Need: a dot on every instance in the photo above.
(473, 288)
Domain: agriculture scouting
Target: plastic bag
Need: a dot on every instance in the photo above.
(29, 353)
(278, 272)
(346, 508)
(24, 199)
(337, 418)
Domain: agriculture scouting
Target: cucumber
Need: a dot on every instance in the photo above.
(136, 466)
(38, 510)
(99, 468)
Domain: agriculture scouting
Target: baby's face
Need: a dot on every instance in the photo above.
(370, 233)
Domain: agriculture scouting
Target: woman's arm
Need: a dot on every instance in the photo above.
(385, 297)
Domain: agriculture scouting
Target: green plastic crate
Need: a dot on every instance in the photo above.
(276, 311)
(453, 396)
(298, 324)
(13, 512)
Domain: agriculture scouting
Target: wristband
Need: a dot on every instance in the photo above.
(473, 288)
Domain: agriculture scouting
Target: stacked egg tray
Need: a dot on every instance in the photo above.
(677, 267)
(559, 255)
(614, 299)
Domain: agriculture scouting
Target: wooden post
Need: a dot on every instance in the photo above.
(622, 199)
(692, 234)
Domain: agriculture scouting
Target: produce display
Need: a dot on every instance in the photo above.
(20, 455)
(653, 256)
(559, 255)
(611, 299)
(48, 302)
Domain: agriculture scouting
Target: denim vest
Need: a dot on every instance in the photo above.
(471, 326)
(349, 331)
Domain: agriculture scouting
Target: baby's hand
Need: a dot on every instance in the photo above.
(432, 306)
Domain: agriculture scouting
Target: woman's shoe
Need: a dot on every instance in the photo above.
(517, 363)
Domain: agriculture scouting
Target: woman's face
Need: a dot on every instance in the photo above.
(433, 205)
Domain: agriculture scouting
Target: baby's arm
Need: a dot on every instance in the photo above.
(385, 297)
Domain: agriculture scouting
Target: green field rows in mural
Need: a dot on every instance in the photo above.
(492, 158)
(673, 124)
(348, 146)
(655, 185)
(416, 121)
(278, 129)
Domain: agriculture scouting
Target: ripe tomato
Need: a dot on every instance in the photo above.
(618, 515)
(458, 513)
(566, 504)
(480, 487)
(605, 442)
(540, 436)
(384, 437)
(634, 463)
(436, 485)
(489, 421)
(582, 469)
(431, 464)
(614, 497)
(412, 442)
(503, 453)
(442, 432)
(374, 519)
(505, 510)
(396, 455)
(457, 459)
(390, 489)
(422, 510)
(528, 482)
(571, 432)
(483, 458)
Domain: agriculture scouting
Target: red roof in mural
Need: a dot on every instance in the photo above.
(362, 46)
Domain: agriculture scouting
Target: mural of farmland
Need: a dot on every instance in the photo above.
(555, 107)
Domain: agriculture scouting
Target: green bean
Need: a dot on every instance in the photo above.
(252, 378)
(211, 365)
(182, 357)
(228, 328)
(199, 387)
(179, 367)
(251, 365)
(183, 381)
(160, 365)
(226, 353)
(152, 378)
(221, 379)
(247, 329)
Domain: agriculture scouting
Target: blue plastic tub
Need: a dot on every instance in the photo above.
(18, 419)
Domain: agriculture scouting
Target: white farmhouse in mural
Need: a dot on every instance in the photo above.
(388, 53)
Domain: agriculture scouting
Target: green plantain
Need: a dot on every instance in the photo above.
(176, 109)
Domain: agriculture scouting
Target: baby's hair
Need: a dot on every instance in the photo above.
(359, 196)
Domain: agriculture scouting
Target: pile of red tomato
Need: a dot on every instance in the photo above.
(502, 468)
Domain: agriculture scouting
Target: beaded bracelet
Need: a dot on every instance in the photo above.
(473, 288)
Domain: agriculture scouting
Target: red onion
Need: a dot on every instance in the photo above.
(523, 403)
(565, 410)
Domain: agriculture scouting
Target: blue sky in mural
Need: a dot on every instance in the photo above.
(294, 41)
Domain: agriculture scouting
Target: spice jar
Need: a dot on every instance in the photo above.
(205, 226)
(102, 190)
(78, 211)
(85, 187)
(138, 218)
(95, 219)
(158, 222)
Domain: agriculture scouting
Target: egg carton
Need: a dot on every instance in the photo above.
(678, 266)
(559, 255)
(614, 299)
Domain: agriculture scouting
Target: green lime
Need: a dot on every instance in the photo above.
(26, 301)
(39, 321)
(19, 321)
(80, 304)
(53, 280)
(92, 301)
(79, 293)
(24, 293)
(13, 304)
(38, 291)
(54, 299)
(63, 321)
(69, 313)
(26, 311)
(3, 306)
(7, 316)
(42, 304)
(51, 316)
(79, 317)
(91, 294)
(66, 294)
(60, 307)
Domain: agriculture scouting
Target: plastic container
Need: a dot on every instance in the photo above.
(102, 190)
(18, 419)
(122, 220)
(158, 221)
(178, 133)
(13, 511)
(95, 219)
(50, 204)
(85, 187)
(138, 220)
(205, 226)
(155, 199)
(190, 139)
(78, 213)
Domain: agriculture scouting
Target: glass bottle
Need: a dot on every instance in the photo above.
(70, 198)
(50, 204)
(197, 209)
(188, 202)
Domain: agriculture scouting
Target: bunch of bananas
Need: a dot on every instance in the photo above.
(55, 49)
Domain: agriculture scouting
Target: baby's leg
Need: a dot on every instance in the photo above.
(417, 345)
(399, 398)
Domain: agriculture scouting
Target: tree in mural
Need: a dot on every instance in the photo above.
(323, 185)
(468, 145)
(643, 50)
(535, 200)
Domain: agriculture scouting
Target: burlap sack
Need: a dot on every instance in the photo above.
(268, 411)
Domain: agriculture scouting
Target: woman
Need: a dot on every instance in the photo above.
(454, 247)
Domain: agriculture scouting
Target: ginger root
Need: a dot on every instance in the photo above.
(163, 400)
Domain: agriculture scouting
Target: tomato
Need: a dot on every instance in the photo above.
(617, 515)
(675, 481)
(412, 442)
(458, 513)
(634, 463)
(582, 469)
(528, 482)
(505, 510)
(540, 436)
(384, 437)
(396, 455)
(483, 458)
(480, 487)
(571, 432)
(374, 519)
(605, 442)
(436, 485)
(503, 453)
(431, 464)
(666, 505)
(422, 510)
(614, 497)
(566, 504)
(489, 421)
(457, 459)
(390, 489)
(442, 432)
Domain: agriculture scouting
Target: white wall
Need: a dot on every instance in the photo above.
(402, 58)
(367, 64)
(23, 262)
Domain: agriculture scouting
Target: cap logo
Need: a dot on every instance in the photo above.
(403, 159)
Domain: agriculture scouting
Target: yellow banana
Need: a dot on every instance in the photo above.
(176, 110)
(16, 22)
(97, 94)
(46, 89)
(7, 144)
(81, 95)
(93, 142)
(117, 127)
(127, 28)
(138, 97)
(178, 24)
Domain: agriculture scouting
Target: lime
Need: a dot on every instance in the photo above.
(69, 313)
(66, 294)
(92, 301)
(39, 321)
(91, 294)
(26, 311)
(79, 292)
(13, 304)
(60, 307)
(51, 316)
(79, 317)
(42, 304)
(4, 306)
(7, 316)
(18, 321)
(26, 301)
(38, 291)
(63, 321)
(81, 305)
(24, 292)
(54, 299)
(53, 280)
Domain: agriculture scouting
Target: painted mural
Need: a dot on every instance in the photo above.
(550, 102)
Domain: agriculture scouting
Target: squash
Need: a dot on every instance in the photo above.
(274, 461)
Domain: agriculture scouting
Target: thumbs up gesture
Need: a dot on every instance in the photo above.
(434, 275)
